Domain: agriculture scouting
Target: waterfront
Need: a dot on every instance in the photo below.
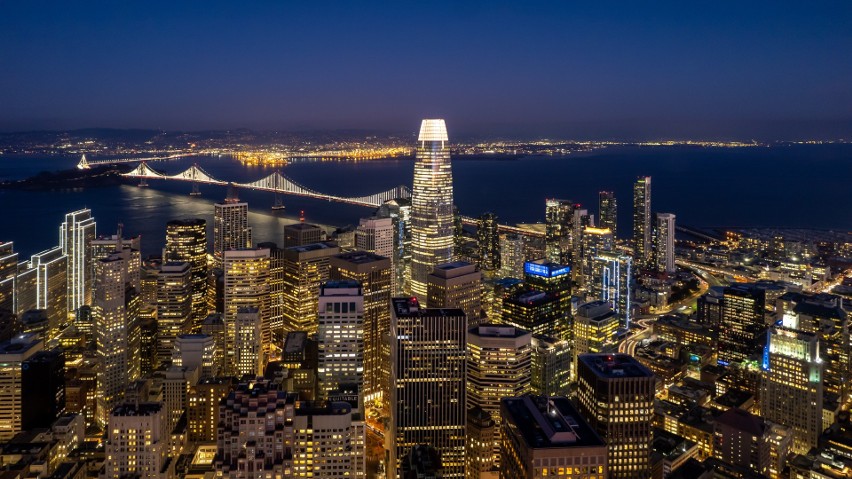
(798, 186)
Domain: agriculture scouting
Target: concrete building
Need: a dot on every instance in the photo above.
(456, 285)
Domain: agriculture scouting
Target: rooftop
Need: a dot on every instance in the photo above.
(141, 409)
(549, 422)
(615, 366)
(404, 307)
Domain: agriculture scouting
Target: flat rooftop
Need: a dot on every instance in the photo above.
(404, 307)
(360, 257)
(549, 422)
(615, 366)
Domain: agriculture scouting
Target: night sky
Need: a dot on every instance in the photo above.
(612, 70)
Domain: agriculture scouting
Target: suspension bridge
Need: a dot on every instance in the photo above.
(85, 164)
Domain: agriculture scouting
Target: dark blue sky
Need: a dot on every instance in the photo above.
(779, 70)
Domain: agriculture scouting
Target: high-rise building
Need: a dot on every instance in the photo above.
(791, 386)
(642, 221)
(375, 235)
(742, 322)
(664, 237)
(13, 354)
(248, 357)
(328, 441)
(214, 326)
(751, 442)
(615, 393)
(186, 242)
(115, 308)
(595, 324)
(196, 351)
(8, 273)
(559, 218)
(340, 336)
(76, 232)
(42, 389)
(555, 280)
(428, 359)
(276, 293)
(613, 283)
(230, 227)
(399, 211)
(374, 274)
(431, 205)
(479, 450)
(595, 242)
(246, 285)
(202, 412)
(551, 366)
(512, 256)
(51, 291)
(608, 211)
(498, 366)
(305, 267)
(536, 311)
(174, 306)
(456, 285)
(488, 238)
(542, 434)
(300, 234)
(137, 443)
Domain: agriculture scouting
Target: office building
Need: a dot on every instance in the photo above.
(202, 412)
(248, 355)
(300, 234)
(595, 324)
(196, 351)
(456, 285)
(551, 366)
(51, 270)
(431, 205)
(305, 268)
(399, 211)
(559, 219)
(340, 336)
(613, 283)
(547, 437)
(596, 241)
(375, 235)
(8, 274)
(479, 450)
(512, 256)
(246, 285)
(608, 211)
(78, 229)
(374, 274)
(230, 227)
(537, 312)
(498, 366)
(642, 221)
(276, 293)
(751, 442)
(328, 441)
(13, 354)
(428, 356)
(615, 393)
(664, 239)
(186, 242)
(174, 306)
(42, 389)
(742, 322)
(214, 326)
(137, 443)
(792, 383)
(488, 239)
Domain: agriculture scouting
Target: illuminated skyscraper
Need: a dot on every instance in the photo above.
(791, 389)
(642, 221)
(498, 366)
(489, 244)
(186, 241)
(431, 205)
(613, 283)
(742, 322)
(558, 217)
(340, 336)
(615, 393)
(399, 211)
(374, 273)
(300, 234)
(174, 306)
(196, 351)
(456, 285)
(230, 227)
(595, 324)
(375, 235)
(664, 237)
(13, 354)
(512, 256)
(51, 275)
(595, 241)
(428, 378)
(8, 272)
(608, 211)
(551, 366)
(276, 292)
(305, 267)
(75, 234)
(248, 359)
(246, 285)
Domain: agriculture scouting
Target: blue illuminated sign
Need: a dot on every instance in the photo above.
(545, 270)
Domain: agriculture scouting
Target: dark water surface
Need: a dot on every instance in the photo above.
(802, 186)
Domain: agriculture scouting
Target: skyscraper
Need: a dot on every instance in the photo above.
(456, 285)
(375, 235)
(608, 211)
(595, 324)
(512, 256)
(558, 217)
(431, 205)
(664, 236)
(13, 354)
(137, 443)
(340, 336)
(76, 232)
(595, 241)
(246, 285)
(174, 306)
(488, 239)
(428, 351)
(742, 322)
(248, 357)
(51, 275)
(304, 268)
(230, 226)
(186, 241)
(300, 234)
(551, 366)
(8, 273)
(399, 211)
(613, 282)
(642, 221)
(615, 393)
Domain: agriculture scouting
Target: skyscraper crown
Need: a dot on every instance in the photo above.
(433, 130)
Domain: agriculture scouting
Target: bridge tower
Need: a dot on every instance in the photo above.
(84, 163)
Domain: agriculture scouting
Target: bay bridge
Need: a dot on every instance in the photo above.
(85, 164)
(281, 184)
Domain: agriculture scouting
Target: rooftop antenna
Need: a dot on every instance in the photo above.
(302, 216)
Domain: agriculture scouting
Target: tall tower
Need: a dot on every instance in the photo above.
(558, 217)
(174, 306)
(51, 274)
(186, 241)
(608, 211)
(428, 384)
(664, 236)
(488, 239)
(431, 205)
(375, 235)
(246, 285)
(230, 226)
(340, 335)
(76, 232)
(642, 221)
